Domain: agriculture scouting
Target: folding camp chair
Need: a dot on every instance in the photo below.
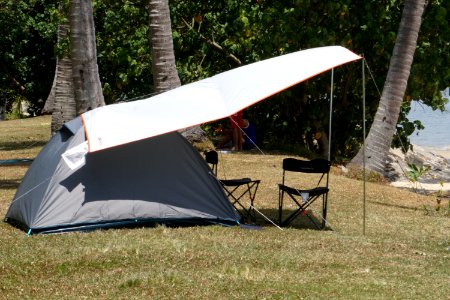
(236, 189)
(304, 197)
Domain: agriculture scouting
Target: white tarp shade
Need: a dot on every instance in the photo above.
(209, 99)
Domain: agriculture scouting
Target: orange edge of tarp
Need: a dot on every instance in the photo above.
(86, 133)
(285, 88)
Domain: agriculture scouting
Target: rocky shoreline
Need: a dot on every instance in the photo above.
(435, 179)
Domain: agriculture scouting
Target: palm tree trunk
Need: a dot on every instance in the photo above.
(165, 75)
(63, 108)
(383, 128)
(50, 101)
(86, 79)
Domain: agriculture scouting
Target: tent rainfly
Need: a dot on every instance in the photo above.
(125, 164)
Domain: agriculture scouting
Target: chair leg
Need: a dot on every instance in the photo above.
(293, 215)
(301, 209)
(235, 199)
(324, 210)
(321, 224)
(252, 194)
(314, 222)
(280, 206)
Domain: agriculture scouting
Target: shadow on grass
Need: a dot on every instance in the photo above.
(9, 184)
(300, 222)
(10, 146)
(393, 205)
(4, 163)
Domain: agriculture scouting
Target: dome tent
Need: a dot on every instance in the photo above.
(157, 180)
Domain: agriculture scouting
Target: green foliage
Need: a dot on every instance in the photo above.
(432, 57)
(414, 173)
(442, 205)
(439, 196)
(123, 48)
(405, 128)
(26, 50)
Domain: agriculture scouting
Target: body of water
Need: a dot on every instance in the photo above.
(437, 125)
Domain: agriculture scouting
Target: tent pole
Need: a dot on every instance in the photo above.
(364, 144)
(331, 113)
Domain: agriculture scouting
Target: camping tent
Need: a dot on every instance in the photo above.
(163, 179)
(112, 180)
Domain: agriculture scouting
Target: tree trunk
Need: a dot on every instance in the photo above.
(50, 101)
(86, 79)
(383, 128)
(165, 75)
(64, 107)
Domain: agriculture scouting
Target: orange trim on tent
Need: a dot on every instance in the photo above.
(86, 133)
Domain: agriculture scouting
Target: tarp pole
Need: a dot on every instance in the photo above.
(331, 114)
(364, 144)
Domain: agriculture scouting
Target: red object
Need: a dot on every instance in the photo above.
(236, 120)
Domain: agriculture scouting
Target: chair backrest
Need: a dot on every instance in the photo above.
(212, 158)
(317, 165)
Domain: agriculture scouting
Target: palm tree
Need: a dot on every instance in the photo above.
(86, 81)
(383, 128)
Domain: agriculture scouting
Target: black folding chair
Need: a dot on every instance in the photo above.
(236, 189)
(304, 197)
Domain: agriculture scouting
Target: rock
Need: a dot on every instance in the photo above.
(435, 179)
(344, 170)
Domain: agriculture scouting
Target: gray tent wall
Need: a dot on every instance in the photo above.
(158, 180)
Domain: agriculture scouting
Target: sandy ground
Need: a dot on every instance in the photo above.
(442, 152)
(436, 180)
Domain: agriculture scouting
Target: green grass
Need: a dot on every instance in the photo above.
(405, 253)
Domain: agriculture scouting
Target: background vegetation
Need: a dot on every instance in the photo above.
(404, 254)
(208, 34)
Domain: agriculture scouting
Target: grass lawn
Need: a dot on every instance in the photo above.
(405, 253)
